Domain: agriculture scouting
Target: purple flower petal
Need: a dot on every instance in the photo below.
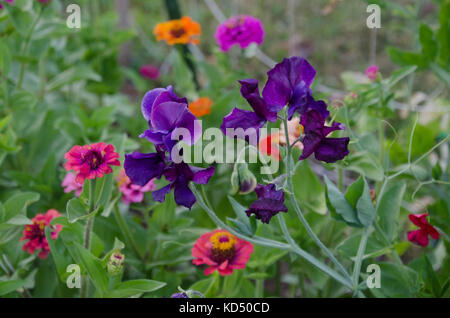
(284, 78)
(332, 149)
(183, 195)
(142, 167)
(160, 195)
(244, 119)
(269, 203)
(202, 175)
(250, 91)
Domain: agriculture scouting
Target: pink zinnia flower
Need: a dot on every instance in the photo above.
(70, 184)
(91, 161)
(372, 72)
(149, 71)
(35, 233)
(8, 1)
(420, 236)
(133, 192)
(242, 30)
(222, 251)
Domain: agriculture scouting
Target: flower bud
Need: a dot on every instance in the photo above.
(242, 179)
(115, 263)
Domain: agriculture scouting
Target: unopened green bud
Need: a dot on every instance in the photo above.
(115, 263)
(242, 179)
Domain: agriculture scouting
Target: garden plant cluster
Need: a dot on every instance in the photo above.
(193, 149)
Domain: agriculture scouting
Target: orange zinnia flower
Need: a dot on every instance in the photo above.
(181, 31)
(201, 106)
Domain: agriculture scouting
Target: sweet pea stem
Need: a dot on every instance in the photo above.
(291, 247)
(298, 210)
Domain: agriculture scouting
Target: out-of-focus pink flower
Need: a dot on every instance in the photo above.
(268, 146)
(242, 30)
(295, 130)
(221, 251)
(8, 1)
(420, 236)
(70, 184)
(91, 161)
(149, 71)
(372, 72)
(132, 192)
(35, 233)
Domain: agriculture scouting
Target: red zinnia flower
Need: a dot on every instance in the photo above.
(35, 233)
(420, 236)
(91, 161)
(222, 251)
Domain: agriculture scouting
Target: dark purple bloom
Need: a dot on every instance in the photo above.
(142, 167)
(269, 203)
(179, 295)
(289, 83)
(165, 113)
(315, 141)
(242, 30)
(179, 175)
(245, 119)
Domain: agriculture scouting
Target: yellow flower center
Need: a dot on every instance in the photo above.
(222, 246)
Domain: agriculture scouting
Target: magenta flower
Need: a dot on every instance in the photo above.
(149, 71)
(316, 141)
(70, 184)
(242, 30)
(35, 233)
(372, 72)
(91, 161)
(221, 251)
(420, 236)
(269, 203)
(132, 192)
(8, 1)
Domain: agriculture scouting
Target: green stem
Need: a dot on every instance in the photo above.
(25, 47)
(126, 232)
(298, 210)
(359, 259)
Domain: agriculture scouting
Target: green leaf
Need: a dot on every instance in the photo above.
(405, 58)
(354, 191)
(72, 75)
(5, 58)
(92, 264)
(60, 255)
(428, 42)
(430, 278)
(241, 215)
(76, 210)
(204, 286)
(339, 207)
(365, 208)
(441, 73)
(9, 286)
(308, 189)
(389, 208)
(134, 287)
(18, 203)
(400, 74)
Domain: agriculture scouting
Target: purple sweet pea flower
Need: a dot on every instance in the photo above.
(165, 113)
(269, 203)
(289, 83)
(245, 119)
(179, 175)
(179, 295)
(242, 30)
(141, 168)
(315, 141)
